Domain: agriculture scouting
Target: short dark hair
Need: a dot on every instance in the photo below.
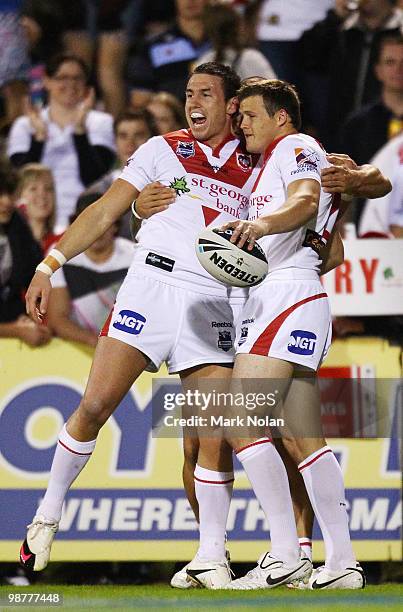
(137, 115)
(54, 63)
(230, 80)
(9, 177)
(276, 95)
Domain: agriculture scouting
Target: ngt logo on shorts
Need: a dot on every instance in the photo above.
(129, 321)
(302, 342)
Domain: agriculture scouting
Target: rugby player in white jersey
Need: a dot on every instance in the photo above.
(167, 302)
(285, 328)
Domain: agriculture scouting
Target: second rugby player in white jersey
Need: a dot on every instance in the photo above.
(168, 308)
(285, 329)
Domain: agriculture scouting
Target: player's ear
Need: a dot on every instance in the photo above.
(232, 106)
(282, 117)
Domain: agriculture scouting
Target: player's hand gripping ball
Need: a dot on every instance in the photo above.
(228, 263)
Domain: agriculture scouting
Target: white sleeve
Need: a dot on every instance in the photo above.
(140, 169)
(100, 129)
(396, 200)
(296, 160)
(19, 138)
(58, 279)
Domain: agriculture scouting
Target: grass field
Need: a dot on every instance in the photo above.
(161, 597)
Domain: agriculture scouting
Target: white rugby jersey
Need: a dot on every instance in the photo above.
(212, 187)
(288, 159)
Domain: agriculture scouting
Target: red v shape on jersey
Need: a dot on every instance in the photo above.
(197, 163)
(210, 214)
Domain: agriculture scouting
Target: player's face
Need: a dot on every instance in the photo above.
(258, 127)
(207, 112)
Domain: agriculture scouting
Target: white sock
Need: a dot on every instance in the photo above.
(69, 459)
(324, 484)
(306, 546)
(213, 492)
(268, 477)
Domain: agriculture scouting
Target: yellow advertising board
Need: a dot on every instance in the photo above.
(128, 503)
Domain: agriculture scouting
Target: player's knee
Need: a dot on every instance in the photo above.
(94, 410)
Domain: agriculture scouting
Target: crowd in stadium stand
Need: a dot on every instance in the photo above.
(84, 83)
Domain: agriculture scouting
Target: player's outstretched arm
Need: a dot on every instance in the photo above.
(344, 176)
(89, 225)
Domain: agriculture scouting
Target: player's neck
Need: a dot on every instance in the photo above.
(279, 136)
(216, 142)
(287, 130)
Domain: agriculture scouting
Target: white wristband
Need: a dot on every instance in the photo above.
(52, 262)
(42, 267)
(58, 256)
(134, 211)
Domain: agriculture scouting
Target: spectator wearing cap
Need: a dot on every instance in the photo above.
(85, 288)
(73, 140)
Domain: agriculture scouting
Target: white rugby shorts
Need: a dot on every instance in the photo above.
(168, 323)
(288, 320)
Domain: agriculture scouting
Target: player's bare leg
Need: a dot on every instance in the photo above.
(211, 487)
(190, 453)
(268, 477)
(303, 512)
(115, 367)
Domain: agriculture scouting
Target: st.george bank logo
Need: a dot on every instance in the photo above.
(129, 321)
(302, 342)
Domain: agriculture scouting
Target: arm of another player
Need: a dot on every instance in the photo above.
(333, 253)
(154, 198)
(90, 225)
(300, 207)
(344, 176)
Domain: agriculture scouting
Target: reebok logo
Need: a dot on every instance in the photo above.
(129, 321)
(219, 324)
